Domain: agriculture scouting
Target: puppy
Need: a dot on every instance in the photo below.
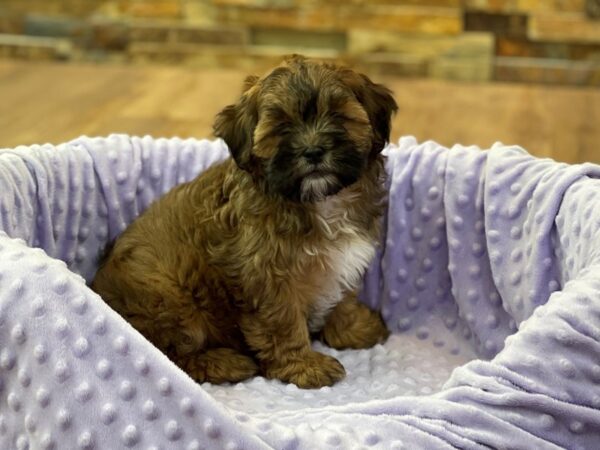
(231, 273)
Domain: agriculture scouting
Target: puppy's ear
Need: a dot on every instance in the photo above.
(378, 103)
(235, 124)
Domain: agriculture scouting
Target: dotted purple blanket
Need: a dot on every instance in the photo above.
(488, 275)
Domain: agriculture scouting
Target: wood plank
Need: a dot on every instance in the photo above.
(524, 48)
(564, 28)
(175, 31)
(48, 102)
(547, 71)
(525, 5)
(326, 17)
(466, 44)
(157, 9)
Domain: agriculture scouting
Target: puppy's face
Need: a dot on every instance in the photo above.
(307, 129)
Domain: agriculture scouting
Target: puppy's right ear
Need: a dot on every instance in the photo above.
(235, 124)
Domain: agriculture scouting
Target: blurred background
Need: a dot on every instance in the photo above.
(522, 72)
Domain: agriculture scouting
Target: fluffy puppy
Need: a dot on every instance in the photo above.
(231, 273)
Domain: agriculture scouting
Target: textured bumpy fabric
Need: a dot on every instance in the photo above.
(488, 276)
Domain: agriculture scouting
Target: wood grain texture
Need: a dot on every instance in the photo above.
(48, 102)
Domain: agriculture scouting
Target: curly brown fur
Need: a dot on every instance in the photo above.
(231, 273)
(353, 325)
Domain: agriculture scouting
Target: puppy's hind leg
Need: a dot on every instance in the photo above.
(218, 365)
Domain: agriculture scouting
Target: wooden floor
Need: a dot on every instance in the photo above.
(44, 102)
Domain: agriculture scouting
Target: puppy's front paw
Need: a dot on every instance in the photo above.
(353, 325)
(311, 370)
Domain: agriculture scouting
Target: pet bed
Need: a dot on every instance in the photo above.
(488, 276)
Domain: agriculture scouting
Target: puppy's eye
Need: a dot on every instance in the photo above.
(349, 118)
(281, 130)
(287, 150)
(277, 113)
(340, 117)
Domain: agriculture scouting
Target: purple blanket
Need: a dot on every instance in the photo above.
(488, 276)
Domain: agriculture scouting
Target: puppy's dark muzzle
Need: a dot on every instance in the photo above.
(314, 155)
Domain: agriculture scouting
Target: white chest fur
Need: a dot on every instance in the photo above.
(345, 263)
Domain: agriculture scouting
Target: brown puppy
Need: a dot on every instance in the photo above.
(231, 273)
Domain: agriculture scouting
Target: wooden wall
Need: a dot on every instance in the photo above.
(538, 41)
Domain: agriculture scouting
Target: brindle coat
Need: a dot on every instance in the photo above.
(225, 273)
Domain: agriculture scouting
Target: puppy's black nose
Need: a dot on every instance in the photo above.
(314, 154)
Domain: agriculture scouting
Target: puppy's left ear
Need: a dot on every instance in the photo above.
(379, 105)
(235, 124)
